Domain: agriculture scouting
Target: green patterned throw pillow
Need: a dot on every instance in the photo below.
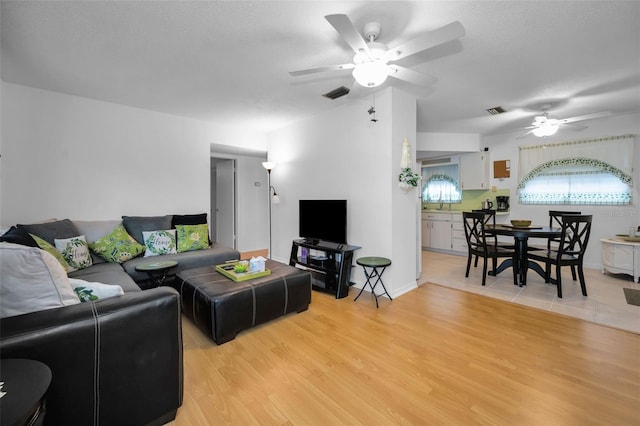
(44, 245)
(117, 246)
(159, 242)
(192, 237)
(92, 291)
(75, 251)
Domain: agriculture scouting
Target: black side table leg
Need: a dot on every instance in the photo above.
(374, 274)
(158, 277)
(365, 284)
(379, 280)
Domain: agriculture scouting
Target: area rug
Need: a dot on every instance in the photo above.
(632, 295)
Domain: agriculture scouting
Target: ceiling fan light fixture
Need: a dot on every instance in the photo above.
(371, 74)
(546, 129)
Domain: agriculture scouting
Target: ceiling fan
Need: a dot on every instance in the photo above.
(543, 125)
(371, 62)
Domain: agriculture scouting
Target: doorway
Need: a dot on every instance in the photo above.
(223, 201)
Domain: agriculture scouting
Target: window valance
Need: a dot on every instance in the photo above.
(448, 172)
(616, 151)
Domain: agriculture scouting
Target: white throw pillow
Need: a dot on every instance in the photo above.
(75, 252)
(159, 242)
(31, 280)
(89, 291)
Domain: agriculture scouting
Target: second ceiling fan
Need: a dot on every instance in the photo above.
(371, 62)
(543, 125)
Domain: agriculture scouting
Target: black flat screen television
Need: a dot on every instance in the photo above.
(323, 220)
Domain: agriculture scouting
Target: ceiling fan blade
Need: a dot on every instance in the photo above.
(428, 40)
(524, 134)
(573, 126)
(348, 32)
(585, 117)
(410, 76)
(322, 69)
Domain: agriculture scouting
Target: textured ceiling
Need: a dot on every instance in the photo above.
(228, 61)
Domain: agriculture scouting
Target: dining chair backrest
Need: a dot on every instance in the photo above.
(555, 221)
(555, 217)
(575, 236)
(489, 219)
(474, 231)
(489, 216)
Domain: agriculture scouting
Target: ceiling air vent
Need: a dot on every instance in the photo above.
(496, 110)
(336, 93)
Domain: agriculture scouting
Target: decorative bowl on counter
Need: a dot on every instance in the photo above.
(520, 223)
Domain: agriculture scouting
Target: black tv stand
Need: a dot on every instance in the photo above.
(330, 265)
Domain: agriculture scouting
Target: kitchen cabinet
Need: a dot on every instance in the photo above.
(621, 257)
(443, 231)
(474, 171)
(426, 233)
(441, 234)
(458, 239)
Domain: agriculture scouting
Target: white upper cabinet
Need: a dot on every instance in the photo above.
(474, 171)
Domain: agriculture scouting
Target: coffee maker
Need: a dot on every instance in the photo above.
(503, 203)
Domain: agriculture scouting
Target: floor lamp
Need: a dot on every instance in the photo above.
(270, 165)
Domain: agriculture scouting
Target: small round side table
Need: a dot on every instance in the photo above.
(377, 266)
(157, 270)
(24, 384)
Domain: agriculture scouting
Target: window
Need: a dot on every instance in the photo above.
(575, 181)
(440, 184)
(587, 172)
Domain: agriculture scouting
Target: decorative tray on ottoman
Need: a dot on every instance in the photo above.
(227, 269)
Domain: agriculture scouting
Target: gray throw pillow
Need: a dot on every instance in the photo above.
(18, 236)
(189, 219)
(49, 231)
(136, 225)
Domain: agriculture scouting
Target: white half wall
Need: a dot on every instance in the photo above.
(69, 157)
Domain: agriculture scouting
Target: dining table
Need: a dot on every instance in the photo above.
(521, 235)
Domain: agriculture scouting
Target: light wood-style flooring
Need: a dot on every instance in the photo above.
(436, 356)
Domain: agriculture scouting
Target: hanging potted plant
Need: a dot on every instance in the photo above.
(408, 179)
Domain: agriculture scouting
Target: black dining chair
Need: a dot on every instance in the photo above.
(490, 219)
(482, 245)
(555, 221)
(570, 251)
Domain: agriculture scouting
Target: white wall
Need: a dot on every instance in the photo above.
(70, 157)
(405, 207)
(253, 207)
(341, 154)
(607, 220)
(448, 142)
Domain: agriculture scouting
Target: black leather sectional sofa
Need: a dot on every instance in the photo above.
(115, 361)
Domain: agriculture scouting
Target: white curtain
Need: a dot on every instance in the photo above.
(584, 172)
(440, 184)
(616, 151)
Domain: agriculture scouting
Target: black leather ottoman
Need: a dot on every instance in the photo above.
(221, 307)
